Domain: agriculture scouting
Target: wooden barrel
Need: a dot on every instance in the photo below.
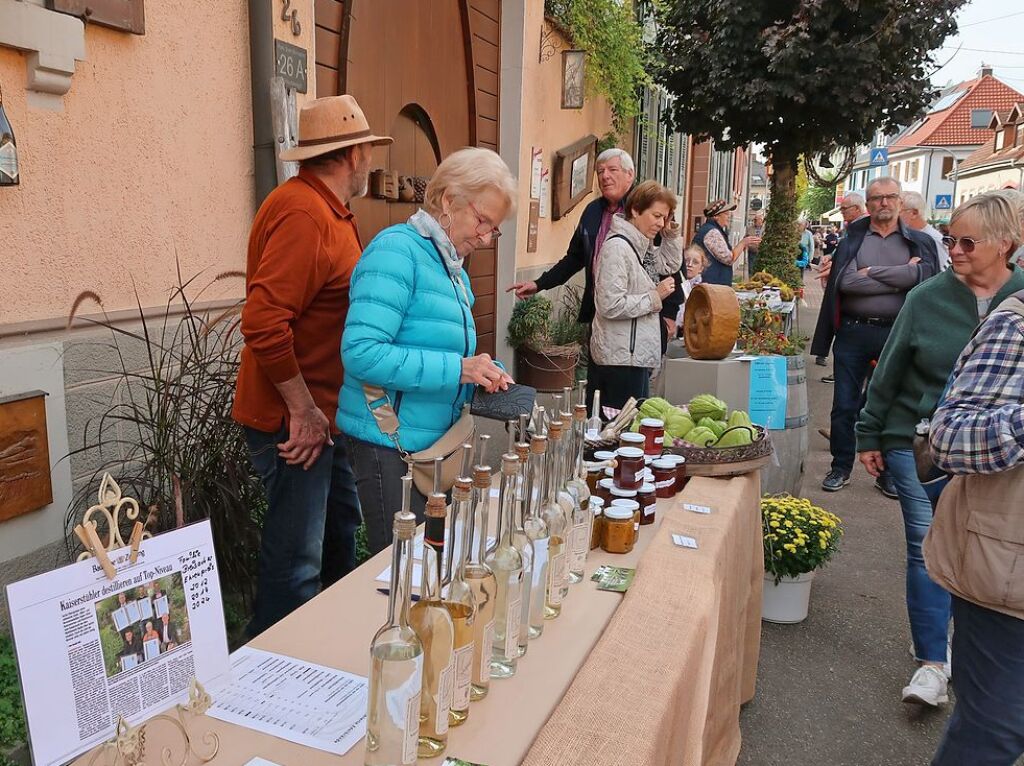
(785, 473)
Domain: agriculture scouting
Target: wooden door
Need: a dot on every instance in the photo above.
(428, 74)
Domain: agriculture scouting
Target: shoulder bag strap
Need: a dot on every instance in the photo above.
(380, 406)
(631, 247)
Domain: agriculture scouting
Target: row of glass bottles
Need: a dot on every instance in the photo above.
(475, 624)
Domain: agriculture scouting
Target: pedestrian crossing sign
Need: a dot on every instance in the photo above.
(879, 156)
(943, 201)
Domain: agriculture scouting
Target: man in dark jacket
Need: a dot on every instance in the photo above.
(615, 175)
(876, 264)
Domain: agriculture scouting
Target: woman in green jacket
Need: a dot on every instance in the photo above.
(933, 327)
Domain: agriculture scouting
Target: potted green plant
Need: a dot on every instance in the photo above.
(547, 347)
(799, 538)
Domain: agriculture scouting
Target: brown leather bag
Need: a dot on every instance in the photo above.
(422, 463)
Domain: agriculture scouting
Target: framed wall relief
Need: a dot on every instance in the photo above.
(572, 175)
(24, 455)
(573, 71)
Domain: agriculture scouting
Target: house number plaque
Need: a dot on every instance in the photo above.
(291, 65)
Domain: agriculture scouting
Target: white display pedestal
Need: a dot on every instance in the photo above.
(727, 379)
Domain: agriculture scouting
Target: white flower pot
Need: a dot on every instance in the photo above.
(786, 602)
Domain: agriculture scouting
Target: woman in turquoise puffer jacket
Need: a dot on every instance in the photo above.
(410, 328)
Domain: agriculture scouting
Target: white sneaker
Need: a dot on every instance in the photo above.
(928, 686)
(946, 666)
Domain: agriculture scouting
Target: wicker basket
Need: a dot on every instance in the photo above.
(727, 461)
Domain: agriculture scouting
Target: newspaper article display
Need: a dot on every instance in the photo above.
(91, 649)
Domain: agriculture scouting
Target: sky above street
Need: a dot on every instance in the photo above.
(991, 32)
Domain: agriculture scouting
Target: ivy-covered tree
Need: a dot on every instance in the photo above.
(800, 77)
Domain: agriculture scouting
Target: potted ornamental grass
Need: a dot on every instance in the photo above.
(547, 344)
(799, 538)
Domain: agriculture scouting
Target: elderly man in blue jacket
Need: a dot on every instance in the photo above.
(878, 262)
(615, 176)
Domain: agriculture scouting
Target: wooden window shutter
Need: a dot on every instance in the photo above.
(125, 15)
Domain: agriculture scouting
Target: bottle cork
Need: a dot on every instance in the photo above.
(509, 465)
(539, 445)
(405, 525)
(482, 477)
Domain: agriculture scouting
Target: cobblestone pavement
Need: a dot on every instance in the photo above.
(829, 688)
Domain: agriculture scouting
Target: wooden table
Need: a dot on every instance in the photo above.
(701, 604)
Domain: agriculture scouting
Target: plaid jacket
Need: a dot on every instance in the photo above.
(979, 425)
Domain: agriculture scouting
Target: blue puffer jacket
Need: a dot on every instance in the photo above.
(409, 326)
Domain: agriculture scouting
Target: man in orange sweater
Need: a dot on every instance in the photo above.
(302, 250)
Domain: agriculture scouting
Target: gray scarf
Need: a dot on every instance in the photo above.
(427, 226)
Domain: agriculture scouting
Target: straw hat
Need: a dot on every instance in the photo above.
(330, 123)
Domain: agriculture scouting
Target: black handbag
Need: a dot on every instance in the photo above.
(504, 405)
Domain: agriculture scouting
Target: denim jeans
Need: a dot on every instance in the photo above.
(309, 530)
(987, 725)
(379, 471)
(927, 602)
(855, 347)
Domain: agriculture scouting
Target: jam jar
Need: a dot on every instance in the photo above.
(653, 430)
(604, 490)
(648, 503)
(597, 523)
(680, 464)
(594, 475)
(634, 508)
(629, 468)
(617, 535)
(665, 477)
(630, 439)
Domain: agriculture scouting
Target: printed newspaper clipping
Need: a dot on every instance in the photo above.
(92, 649)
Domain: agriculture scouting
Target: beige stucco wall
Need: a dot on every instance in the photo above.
(150, 157)
(983, 182)
(546, 125)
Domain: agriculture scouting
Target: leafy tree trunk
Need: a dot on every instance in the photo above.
(781, 244)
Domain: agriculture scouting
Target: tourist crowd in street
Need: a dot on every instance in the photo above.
(359, 362)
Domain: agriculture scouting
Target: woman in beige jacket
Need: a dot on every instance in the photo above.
(632, 277)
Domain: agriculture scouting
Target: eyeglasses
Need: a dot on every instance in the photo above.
(483, 223)
(883, 198)
(966, 243)
(844, 208)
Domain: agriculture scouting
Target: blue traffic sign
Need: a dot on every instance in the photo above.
(879, 156)
(943, 201)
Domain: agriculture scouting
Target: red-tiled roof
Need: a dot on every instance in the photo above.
(987, 155)
(952, 126)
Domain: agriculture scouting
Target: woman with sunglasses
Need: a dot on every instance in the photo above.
(410, 329)
(933, 327)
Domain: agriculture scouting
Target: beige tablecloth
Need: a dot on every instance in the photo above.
(665, 682)
(673, 659)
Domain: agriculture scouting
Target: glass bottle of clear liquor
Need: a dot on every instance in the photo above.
(506, 563)
(519, 537)
(433, 624)
(582, 518)
(480, 577)
(537, 531)
(459, 598)
(396, 660)
(553, 515)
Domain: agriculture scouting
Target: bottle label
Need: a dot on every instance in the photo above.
(412, 727)
(556, 579)
(650, 510)
(665, 483)
(659, 439)
(540, 565)
(488, 649)
(445, 687)
(580, 539)
(463, 677)
(515, 606)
